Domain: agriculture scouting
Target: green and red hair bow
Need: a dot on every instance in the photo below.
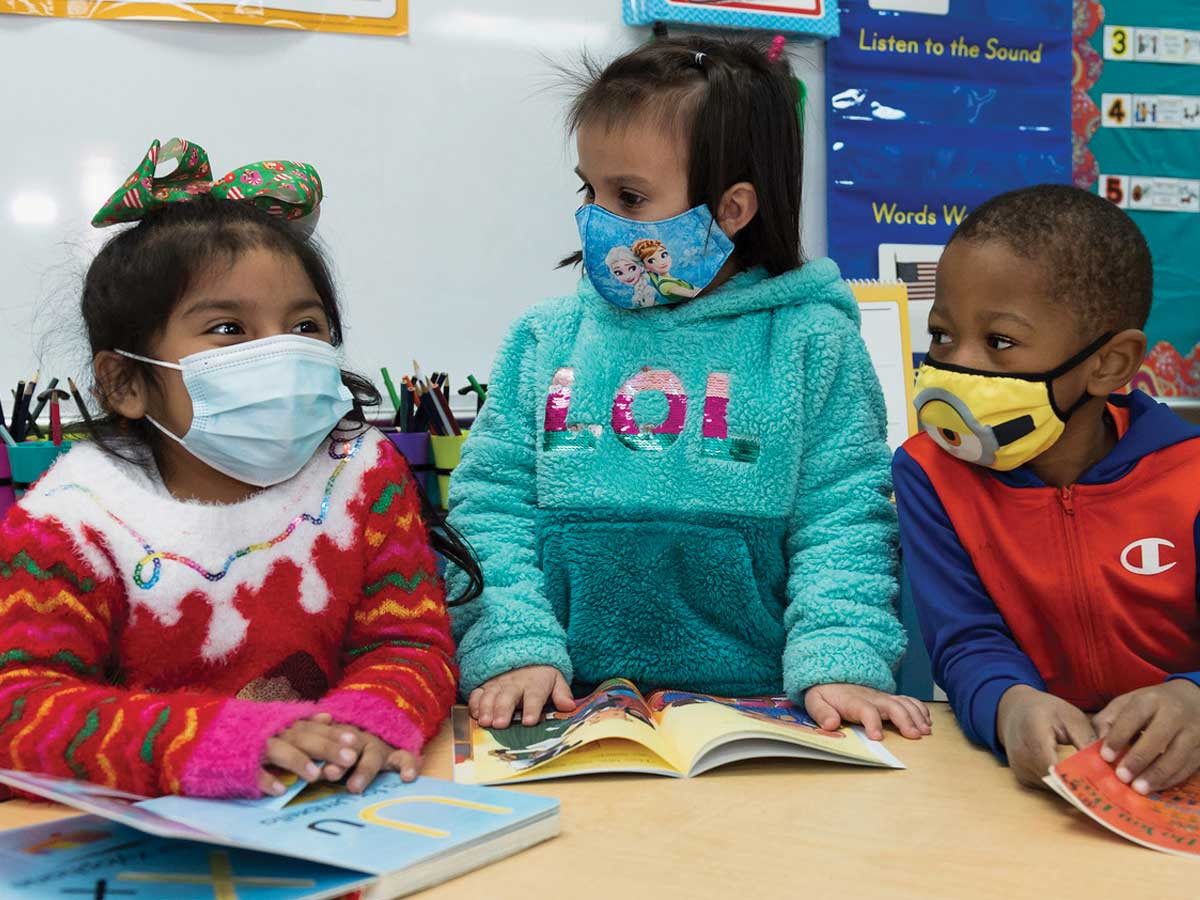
(291, 190)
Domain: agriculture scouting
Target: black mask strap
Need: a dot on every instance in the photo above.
(1067, 367)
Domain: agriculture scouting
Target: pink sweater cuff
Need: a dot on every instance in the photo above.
(231, 752)
(376, 715)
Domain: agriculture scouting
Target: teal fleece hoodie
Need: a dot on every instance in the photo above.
(630, 520)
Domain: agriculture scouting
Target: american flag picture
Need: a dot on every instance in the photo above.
(920, 278)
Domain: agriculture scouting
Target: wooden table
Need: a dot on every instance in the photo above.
(954, 825)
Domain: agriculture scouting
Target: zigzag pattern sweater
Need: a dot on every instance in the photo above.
(155, 646)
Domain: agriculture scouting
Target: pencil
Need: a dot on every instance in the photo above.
(391, 389)
(22, 416)
(17, 394)
(42, 400)
(6, 437)
(83, 410)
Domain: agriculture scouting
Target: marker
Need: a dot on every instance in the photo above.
(22, 416)
(54, 396)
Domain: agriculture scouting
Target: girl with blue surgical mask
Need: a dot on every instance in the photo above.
(695, 493)
(234, 579)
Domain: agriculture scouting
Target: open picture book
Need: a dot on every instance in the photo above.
(1168, 820)
(616, 729)
(315, 841)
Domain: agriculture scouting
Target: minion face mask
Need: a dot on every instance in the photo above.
(997, 420)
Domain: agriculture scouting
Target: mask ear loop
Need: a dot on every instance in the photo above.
(1066, 367)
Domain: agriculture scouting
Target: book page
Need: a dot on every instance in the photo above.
(616, 711)
(695, 723)
(1168, 820)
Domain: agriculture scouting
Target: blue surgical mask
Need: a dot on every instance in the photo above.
(635, 264)
(260, 409)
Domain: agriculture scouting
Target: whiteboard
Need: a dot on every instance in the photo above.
(450, 193)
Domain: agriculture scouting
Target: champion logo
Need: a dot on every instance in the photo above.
(1144, 557)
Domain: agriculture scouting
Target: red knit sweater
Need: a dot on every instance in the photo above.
(156, 646)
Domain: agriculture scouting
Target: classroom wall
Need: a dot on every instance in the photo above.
(450, 193)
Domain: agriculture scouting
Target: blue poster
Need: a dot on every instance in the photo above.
(935, 106)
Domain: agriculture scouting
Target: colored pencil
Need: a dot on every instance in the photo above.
(83, 410)
(391, 389)
(6, 437)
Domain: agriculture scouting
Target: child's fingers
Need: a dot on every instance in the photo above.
(1172, 767)
(505, 702)
(822, 711)
(903, 716)
(473, 702)
(333, 773)
(920, 714)
(1103, 722)
(1079, 730)
(532, 702)
(324, 744)
(868, 715)
(922, 710)
(369, 764)
(405, 763)
(564, 700)
(1147, 748)
(284, 755)
(269, 784)
(1132, 718)
(1033, 757)
(487, 703)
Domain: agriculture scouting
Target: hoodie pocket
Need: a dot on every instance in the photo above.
(662, 603)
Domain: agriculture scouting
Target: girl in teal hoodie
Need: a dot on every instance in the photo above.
(694, 494)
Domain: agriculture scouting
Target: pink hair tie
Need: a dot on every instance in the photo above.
(776, 50)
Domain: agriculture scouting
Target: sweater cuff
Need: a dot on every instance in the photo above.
(375, 715)
(484, 664)
(230, 753)
(815, 659)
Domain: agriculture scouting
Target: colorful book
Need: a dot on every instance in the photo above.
(616, 729)
(1168, 820)
(317, 841)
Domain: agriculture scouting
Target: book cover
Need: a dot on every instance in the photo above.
(400, 837)
(674, 733)
(1168, 820)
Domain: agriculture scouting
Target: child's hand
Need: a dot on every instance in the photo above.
(1031, 725)
(377, 756)
(493, 703)
(1168, 717)
(298, 748)
(829, 704)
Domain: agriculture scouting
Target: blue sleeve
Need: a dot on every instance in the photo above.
(1193, 677)
(975, 658)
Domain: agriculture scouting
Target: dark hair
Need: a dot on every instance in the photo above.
(738, 113)
(138, 278)
(1094, 256)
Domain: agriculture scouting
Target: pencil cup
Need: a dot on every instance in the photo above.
(414, 447)
(447, 450)
(7, 496)
(29, 461)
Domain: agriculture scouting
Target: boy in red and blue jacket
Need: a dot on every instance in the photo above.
(1050, 525)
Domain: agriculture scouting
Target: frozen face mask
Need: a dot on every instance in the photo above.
(634, 264)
